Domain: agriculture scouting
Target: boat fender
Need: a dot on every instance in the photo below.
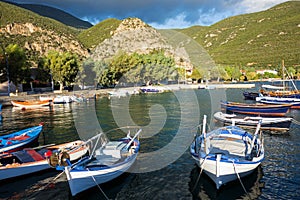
(47, 154)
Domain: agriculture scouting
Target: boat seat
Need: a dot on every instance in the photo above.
(111, 149)
(35, 155)
(215, 150)
(20, 137)
(23, 156)
(105, 160)
(234, 147)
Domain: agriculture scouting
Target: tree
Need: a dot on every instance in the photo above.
(196, 74)
(233, 72)
(291, 72)
(135, 68)
(86, 75)
(101, 70)
(18, 71)
(62, 66)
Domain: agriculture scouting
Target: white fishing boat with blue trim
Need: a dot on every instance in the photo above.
(227, 153)
(245, 121)
(108, 160)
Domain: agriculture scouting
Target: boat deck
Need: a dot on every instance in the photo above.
(229, 146)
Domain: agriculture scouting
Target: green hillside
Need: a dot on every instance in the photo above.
(36, 34)
(13, 14)
(259, 39)
(58, 15)
(98, 33)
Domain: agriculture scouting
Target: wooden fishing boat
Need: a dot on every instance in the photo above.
(294, 102)
(30, 104)
(18, 140)
(227, 153)
(107, 162)
(256, 109)
(267, 123)
(31, 160)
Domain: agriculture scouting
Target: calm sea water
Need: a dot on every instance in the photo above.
(169, 121)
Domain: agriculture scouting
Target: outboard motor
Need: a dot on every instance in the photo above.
(57, 158)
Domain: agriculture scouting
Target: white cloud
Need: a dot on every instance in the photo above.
(178, 22)
(92, 20)
(250, 6)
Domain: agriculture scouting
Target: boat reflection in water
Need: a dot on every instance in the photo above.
(204, 188)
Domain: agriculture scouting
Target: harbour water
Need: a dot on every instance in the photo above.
(169, 173)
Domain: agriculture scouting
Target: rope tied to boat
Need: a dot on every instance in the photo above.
(295, 121)
(201, 164)
(106, 197)
(237, 174)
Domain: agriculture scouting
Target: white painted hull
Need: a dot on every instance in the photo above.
(80, 180)
(6, 173)
(270, 123)
(62, 99)
(226, 172)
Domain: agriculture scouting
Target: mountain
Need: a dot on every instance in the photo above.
(36, 34)
(56, 14)
(258, 39)
(98, 33)
(261, 39)
(132, 35)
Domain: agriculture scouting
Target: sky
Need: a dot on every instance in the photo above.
(159, 13)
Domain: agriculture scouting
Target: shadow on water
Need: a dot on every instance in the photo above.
(11, 187)
(204, 188)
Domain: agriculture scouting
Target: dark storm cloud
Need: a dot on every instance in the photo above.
(160, 13)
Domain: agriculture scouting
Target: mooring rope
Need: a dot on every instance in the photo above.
(200, 171)
(295, 122)
(106, 197)
(237, 174)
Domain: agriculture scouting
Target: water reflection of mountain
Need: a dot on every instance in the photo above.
(204, 188)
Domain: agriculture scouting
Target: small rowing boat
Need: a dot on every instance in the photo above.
(18, 140)
(30, 104)
(227, 153)
(294, 102)
(152, 89)
(31, 160)
(256, 109)
(267, 123)
(108, 161)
